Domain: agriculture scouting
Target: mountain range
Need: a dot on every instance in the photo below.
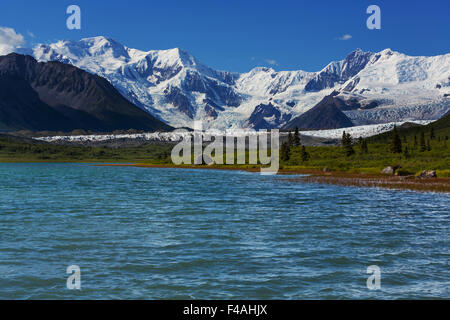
(176, 88)
(60, 97)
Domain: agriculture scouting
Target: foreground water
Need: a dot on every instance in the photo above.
(203, 234)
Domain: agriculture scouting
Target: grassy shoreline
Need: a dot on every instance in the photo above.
(422, 148)
(312, 175)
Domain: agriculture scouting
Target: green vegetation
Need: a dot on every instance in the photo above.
(396, 142)
(435, 131)
(364, 148)
(297, 141)
(347, 144)
(396, 148)
(412, 148)
(26, 150)
(377, 157)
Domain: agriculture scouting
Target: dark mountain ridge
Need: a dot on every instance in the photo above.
(326, 114)
(56, 96)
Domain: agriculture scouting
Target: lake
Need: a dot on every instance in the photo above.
(152, 233)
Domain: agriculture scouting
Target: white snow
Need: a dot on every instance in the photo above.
(395, 79)
(359, 131)
(355, 132)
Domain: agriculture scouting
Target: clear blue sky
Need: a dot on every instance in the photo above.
(237, 35)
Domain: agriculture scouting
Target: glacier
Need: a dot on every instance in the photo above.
(175, 87)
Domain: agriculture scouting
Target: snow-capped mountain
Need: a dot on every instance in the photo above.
(173, 86)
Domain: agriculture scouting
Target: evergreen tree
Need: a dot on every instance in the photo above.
(415, 142)
(360, 141)
(432, 133)
(396, 143)
(406, 152)
(423, 147)
(297, 141)
(304, 154)
(347, 144)
(428, 145)
(290, 139)
(364, 147)
(285, 151)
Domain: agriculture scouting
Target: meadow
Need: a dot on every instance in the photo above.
(421, 148)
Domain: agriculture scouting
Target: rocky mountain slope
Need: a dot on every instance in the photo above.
(327, 114)
(176, 88)
(57, 96)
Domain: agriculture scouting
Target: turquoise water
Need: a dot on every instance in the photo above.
(205, 234)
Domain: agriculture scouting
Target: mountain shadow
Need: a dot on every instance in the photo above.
(326, 114)
(60, 97)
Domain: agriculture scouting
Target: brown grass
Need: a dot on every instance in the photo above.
(441, 185)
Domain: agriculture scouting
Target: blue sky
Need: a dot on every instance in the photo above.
(237, 35)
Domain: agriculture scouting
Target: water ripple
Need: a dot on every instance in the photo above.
(205, 234)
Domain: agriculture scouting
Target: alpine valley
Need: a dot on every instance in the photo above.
(363, 89)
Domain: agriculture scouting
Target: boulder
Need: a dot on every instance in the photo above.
(388, 171)
(427, 174)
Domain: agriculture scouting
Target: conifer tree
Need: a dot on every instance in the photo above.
(285, 151)
(304, 154)
(406, 152)
(364, 147)
(290, 139)
(423, 147)
(347, 144)
(344, 139)
(428, 145)
(415, 142)
(396, 143)
(297, 141)
(432, 136)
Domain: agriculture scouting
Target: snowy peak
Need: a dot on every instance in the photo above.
(340, 71)
(354, 63)
(109, 55)
(176, 88)
(99, 46)
(170, 84)
(266, 81)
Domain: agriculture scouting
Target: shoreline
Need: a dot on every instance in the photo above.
(438, 185)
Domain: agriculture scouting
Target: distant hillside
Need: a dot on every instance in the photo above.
(441, 129)
(326, 114)
(56, 96)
